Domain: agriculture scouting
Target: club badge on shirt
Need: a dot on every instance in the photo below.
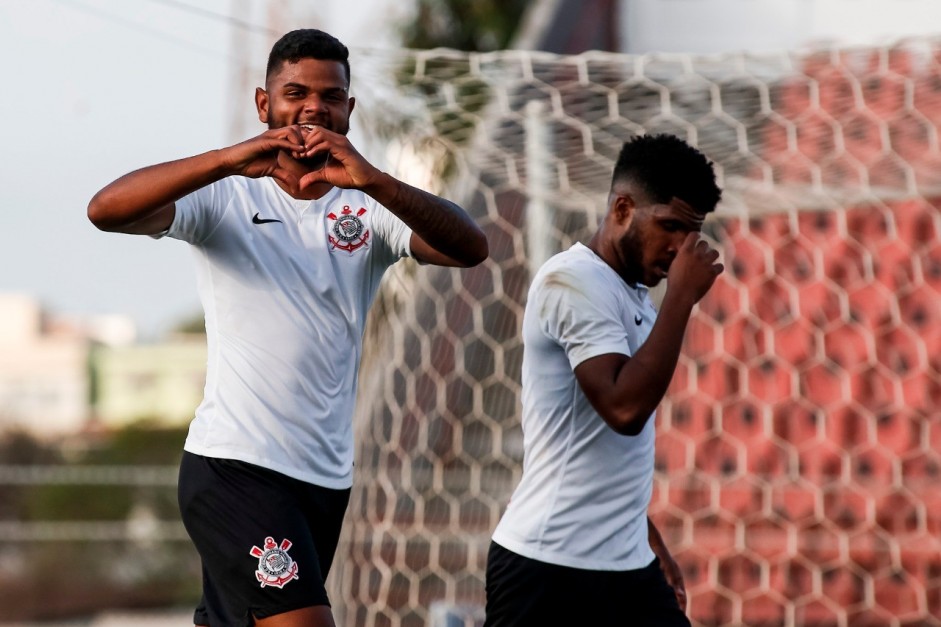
(346, 231)
(275, 566)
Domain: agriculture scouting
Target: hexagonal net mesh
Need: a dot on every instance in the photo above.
(798, 448)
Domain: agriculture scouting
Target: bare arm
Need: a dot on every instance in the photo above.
(671, 570)
(143, 202)
(442, 232)
(626, 390)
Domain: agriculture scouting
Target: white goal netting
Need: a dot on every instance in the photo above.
(799, 449)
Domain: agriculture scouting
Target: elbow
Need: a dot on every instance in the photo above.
(481, 250)
(98, 212)
(477, 251)
(627, 422)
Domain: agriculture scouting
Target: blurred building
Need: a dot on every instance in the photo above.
(58, 374)
(717, 26)
(160, 382)
(43, 372)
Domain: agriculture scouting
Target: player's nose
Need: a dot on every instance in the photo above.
(313, 104)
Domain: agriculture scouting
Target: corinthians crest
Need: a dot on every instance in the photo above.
(275, 566)
(347, 230)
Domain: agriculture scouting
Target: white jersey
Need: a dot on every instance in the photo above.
(582, 501)
(286, 285)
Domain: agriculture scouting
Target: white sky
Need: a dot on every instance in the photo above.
(95, 88)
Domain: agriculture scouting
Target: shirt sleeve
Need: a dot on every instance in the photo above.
(199, 213)
(582, 315)
(394, 233)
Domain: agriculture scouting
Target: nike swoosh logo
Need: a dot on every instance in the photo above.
(638, 320)
(257, 220)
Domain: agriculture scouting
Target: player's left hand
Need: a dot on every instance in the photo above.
(344, 166)
(674, 576)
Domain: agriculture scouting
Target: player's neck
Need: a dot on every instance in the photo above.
(311, 192)
(298, 169)
(608, 251)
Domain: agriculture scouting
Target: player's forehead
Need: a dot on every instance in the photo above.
(680, 210)
(311, 72)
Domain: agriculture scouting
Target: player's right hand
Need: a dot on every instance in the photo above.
(258, 156)
(695, 268)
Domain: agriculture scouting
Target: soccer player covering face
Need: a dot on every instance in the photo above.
(575, 546)
(291, 232)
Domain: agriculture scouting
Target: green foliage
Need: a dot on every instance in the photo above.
(55, 580)
(473, 26)
(66, 580)
(194, 324)
(140, 444)
(20, 448)
(478, 26)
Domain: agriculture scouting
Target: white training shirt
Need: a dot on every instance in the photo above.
(582, 501)
(286, 285)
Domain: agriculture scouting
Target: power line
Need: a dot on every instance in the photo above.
(234, 21)
(81, 7)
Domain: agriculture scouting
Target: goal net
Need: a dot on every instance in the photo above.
(799, 447)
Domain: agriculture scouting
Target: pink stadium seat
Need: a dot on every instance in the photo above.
(920, 309)
(774, 301)
(822, 462)
(816, 612)
(875, 389)
(897, 594)
(849, 347)
(692, 418)
(901, 351)
(796, 423)
(819, 227)
(823, 385)
(745, 420)
(848, 507)
(847, 263)
(741, 497)
(873, 467)
(717, 456)
(872, 305)
(794, 261)
(819, 304)
(844, 586)
(868, 226)
(849, 426)
(897, 513)
(793, 500)
(771, 382)
(915, 222)
(900, 431)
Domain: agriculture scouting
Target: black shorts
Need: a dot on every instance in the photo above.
(266, 540)
(523, 592)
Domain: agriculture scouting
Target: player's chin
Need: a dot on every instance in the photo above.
(315, 161)
(653, 279)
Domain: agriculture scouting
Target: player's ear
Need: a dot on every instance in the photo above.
(352, 103)
(622, 207)
(261, 103)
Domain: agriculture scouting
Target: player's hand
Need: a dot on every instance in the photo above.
(258, 156)
(674, 576)
(343, 167)
(695, 268)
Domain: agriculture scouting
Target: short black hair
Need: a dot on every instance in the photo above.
(307, 43)
(665, 166)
